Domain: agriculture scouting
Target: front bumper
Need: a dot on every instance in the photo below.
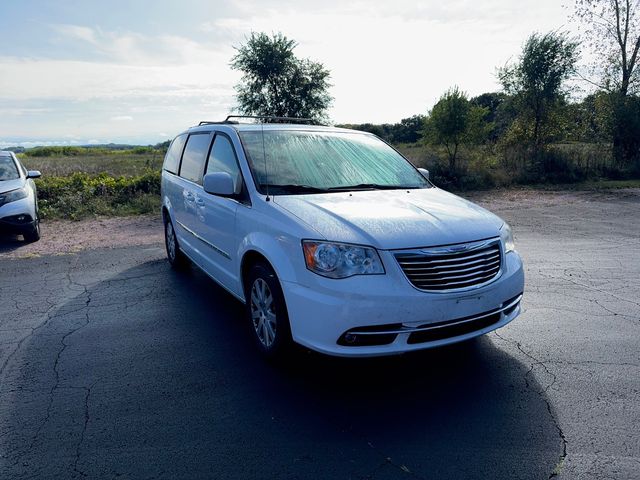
(326, 314)
(17, 217)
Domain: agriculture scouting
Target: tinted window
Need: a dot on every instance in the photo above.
(223, 157)
(172, 158)
(8, 170)
(192, 166)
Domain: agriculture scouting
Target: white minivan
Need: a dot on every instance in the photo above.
(334, 240)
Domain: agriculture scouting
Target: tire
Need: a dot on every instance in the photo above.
(176, 258)
(267, 312)
(33, 234)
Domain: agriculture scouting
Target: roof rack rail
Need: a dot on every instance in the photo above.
(265, 119)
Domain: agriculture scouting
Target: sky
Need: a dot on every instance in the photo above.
(130, 71)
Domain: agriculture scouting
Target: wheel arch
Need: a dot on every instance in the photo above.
(250, 258)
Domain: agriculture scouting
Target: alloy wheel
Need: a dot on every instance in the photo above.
(171, 241)
(263, 314)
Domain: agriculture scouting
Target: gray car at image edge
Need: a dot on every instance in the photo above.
(18, 198)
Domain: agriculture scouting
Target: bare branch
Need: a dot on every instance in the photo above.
(595, 84)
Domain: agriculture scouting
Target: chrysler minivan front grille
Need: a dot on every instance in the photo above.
(453, 267)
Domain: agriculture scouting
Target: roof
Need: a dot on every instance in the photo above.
(4, 153)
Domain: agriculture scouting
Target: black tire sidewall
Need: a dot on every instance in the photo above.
(33, 234)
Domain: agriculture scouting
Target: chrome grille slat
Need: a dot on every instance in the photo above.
(451, 277)
(438, 263)
(441, 270)
(425, 258)
(445, 285)
(437, 270)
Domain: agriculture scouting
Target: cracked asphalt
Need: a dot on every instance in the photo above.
(114, 366)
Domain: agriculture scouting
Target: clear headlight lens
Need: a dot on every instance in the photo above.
(13, 195)
(341, 260)
(506, 235)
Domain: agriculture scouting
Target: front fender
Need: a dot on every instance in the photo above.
(280, 251)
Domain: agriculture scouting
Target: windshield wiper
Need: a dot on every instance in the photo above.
(367, 186)
(292, 188)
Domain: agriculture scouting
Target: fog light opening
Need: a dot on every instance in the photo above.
(350, 338)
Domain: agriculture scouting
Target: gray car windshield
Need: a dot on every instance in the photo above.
(8, 169)
(319, 162)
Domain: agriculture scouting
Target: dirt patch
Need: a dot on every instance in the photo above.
(59, 237)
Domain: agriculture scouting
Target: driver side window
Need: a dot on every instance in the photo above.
(223, 159)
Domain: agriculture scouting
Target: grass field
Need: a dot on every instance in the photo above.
(115, 165)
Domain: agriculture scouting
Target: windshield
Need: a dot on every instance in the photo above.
(317, 162)
(8, 169)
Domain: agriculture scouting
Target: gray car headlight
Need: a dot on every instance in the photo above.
(341, 260)
(13, 195)
(506, 235)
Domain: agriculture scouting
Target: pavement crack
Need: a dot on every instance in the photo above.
(87, 417)
(389, 461)
(56, 364)
(541, 393)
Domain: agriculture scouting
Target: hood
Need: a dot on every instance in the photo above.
(393, 219)
(8, 185)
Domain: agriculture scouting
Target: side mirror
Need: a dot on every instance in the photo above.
(33, 174)
(219, 183)
(424, 172)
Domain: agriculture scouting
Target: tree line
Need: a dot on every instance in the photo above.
(527, 127)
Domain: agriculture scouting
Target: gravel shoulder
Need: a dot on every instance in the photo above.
(60, 237)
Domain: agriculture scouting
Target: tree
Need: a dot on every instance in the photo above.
(408, 130)
(452, 122)
(500, 113)
(537, 82)
(277, 83)
(613, 33)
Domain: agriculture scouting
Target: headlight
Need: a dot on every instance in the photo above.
(13, 195)
(507, 238)
(341, 260)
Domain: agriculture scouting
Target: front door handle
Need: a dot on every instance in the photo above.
(199, 202)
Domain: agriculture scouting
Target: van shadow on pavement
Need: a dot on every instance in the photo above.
(152, 373)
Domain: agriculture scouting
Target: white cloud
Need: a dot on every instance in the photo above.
(388, 61)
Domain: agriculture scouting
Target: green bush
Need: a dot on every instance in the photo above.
(81, 195)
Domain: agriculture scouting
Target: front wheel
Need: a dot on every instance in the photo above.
(267, 312)
(33, 234)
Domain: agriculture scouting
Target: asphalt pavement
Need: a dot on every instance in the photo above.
(112, 365)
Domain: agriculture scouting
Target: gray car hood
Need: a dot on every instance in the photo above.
(393, 219)
(8, 185)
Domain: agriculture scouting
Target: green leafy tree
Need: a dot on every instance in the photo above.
(612, 31)
(409, 130)
(275, 82)
(454, 121)
(500, 113)
(537, 83)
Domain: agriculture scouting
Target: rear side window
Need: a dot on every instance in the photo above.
(172, 158)
(195, 153)
(8, 169)
(223, 157)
